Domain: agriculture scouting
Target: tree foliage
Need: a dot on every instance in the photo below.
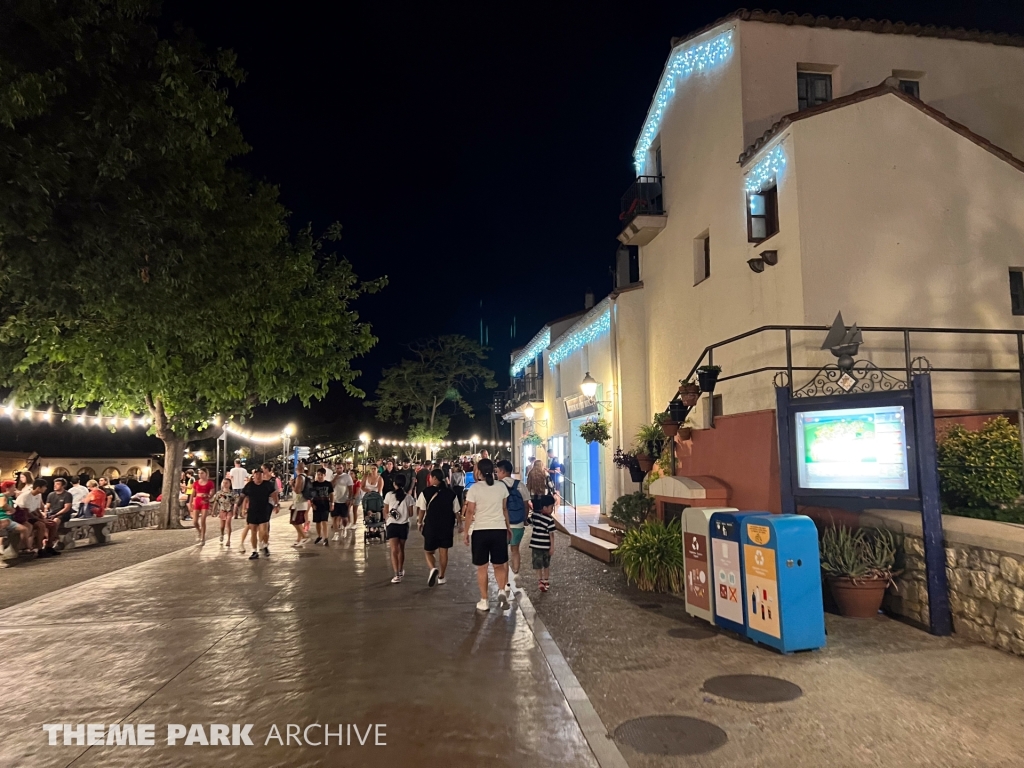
(140, 268)
(429, 387)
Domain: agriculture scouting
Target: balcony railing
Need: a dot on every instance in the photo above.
(643, 198)
(528, 388)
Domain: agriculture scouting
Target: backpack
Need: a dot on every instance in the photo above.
(516, 506)
(373, 502)
(307, 488)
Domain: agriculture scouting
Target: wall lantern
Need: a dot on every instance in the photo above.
(771, 258)
(589, 385)
(756, 265)
(529, 411)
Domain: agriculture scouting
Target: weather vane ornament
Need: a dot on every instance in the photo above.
(843, 342)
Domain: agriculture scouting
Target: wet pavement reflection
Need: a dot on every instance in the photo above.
(312, 636)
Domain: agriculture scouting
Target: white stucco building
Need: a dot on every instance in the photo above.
(792, 167)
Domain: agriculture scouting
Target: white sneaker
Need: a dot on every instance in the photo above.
(483, 605)
(511, 592)
(402, 572)
(337, 535)
(441, 580)
(397, 579)
(503, 600)
(432, 578)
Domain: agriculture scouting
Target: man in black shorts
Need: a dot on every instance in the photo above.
(323, 497)
(436, 509)
(258, 498)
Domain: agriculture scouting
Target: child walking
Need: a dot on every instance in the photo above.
(542, 540)
(223, 505)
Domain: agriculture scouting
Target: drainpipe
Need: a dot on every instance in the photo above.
(616, 372)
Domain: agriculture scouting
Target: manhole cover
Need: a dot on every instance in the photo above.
(649, 606)
(670, 735)
(692, 633)
(756, 688)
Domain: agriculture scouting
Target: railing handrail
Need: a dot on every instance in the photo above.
(708, 351)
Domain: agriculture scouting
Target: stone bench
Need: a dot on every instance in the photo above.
(97, 528)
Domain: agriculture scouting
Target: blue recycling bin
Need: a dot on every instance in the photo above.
(727, 570)
(782, 582)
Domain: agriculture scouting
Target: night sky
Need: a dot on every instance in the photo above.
(473, 153)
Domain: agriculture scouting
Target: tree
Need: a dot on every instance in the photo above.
(421, 389)
(142, 271)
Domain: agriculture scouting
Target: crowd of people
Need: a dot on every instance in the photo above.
(479, 500)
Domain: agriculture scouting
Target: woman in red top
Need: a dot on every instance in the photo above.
(354, 496)
(202, 490)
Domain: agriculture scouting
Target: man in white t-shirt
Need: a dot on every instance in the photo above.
(342, 492)
(488, 529)
(78, 493)
(239, 477)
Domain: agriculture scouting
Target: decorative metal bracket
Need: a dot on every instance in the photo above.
(862, 376)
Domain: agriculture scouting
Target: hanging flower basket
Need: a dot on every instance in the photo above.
(688, 393)
(595, 431)
(532, 438)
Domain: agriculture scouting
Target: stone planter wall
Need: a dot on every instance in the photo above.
(985, 571)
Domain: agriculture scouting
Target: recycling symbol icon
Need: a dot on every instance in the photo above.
(759, 557)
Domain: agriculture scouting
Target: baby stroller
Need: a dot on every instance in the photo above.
(373, 516)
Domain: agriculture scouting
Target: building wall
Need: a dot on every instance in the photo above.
(978, 84)
(904, 222)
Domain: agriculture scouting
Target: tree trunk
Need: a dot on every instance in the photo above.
(170, 510)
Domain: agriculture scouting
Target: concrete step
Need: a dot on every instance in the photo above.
(597, 548)
(605, 532)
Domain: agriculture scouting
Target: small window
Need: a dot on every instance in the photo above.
(911, 88)
(812, 89)
(701, 258)
(762, 214)
(1017, 291)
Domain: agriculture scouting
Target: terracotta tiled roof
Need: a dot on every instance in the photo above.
(884, 27)
(885, 88)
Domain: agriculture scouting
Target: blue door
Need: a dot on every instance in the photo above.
(595, 473)
(579, 464)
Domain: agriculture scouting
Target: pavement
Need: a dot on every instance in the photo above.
(304, 637)
(882, 693)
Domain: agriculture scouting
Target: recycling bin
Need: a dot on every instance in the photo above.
(727, 568)
(700, 594)
(782, 584)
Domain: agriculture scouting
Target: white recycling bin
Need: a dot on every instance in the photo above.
(700, 583)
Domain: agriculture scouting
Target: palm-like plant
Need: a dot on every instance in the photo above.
(652, 557)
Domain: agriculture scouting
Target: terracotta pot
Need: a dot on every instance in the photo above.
(685, 433)
(646, 462)
(689, 394)
(670, 428)
(858, 600)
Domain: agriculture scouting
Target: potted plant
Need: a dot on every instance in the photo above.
(595, 431)
(628, 460)
(650, 439)
(707, 375)
(632, 510)
(685, 430)
(652, 557)
(677, 411)
(859, 566)
(669, 425)
(532, 438)
(688, 392)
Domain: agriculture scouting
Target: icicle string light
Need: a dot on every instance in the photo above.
(537, 345)
(681, 64)
(766, 172)
(589, 329)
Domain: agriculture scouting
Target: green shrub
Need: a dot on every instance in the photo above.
(595, 431)
(633, 509)
(652, 557)
(1014, 514)
(981, 469)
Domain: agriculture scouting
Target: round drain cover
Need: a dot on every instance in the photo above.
(692, 633)
(649, 606)
(756, 688)
(670, 735)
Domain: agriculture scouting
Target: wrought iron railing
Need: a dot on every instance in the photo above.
(902, 375)
(643, 198)
(524, 389)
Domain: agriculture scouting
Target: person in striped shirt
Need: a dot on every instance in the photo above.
(542, 540)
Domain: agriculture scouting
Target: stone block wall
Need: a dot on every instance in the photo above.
(985, 572)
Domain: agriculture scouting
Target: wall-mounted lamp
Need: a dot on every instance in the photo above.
(529, 411)
(771, 258)
(589, 385)
(756, 265)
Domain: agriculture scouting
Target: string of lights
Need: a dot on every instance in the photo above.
(681, 64)
(590, 328)
(537, 345)
(473, 441)
(83, 419)
(766, 171)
